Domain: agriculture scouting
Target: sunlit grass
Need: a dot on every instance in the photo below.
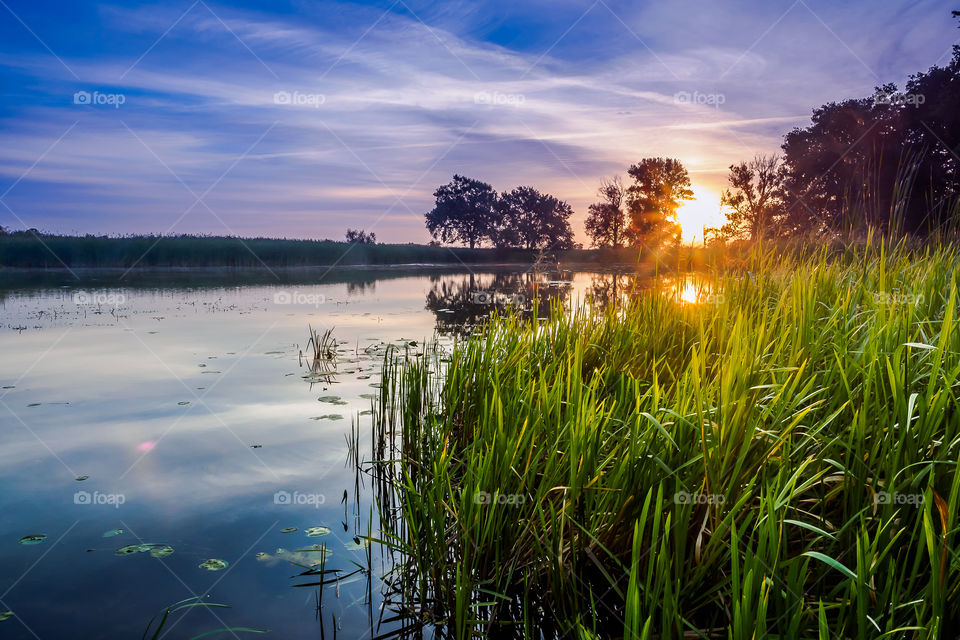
(780, 461)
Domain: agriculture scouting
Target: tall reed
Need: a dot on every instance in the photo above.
(778, 462)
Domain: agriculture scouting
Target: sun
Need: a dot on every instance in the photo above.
(702, 211)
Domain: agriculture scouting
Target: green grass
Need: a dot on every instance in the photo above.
(811, 406)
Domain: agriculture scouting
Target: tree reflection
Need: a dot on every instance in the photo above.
(462, 303)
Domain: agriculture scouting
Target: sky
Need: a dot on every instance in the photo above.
(301, 119)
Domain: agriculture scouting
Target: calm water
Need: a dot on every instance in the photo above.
(182, 399)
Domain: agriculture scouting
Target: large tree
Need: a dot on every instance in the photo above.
(755, 198)
(606, 219)
(532, 220)
(891, 160)
(659, 186)
(463, 212)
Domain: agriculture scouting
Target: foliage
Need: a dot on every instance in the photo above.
(606, 220)
(358, 236)
(659, 186)
(755, 198)
(888, 160)
(464, 212)
(532, 220)
(778, 460)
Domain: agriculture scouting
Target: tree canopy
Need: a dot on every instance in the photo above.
(660, 185)
(471, 212)
(464, 212)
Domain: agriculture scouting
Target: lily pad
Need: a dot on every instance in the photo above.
(162, 552)
(5, 615)
(127, 550)
(112, 532)
(357, 544)
(213, 564)
(316, 532)
(82, 478)
(183, 403)
(33, 538)
(328, 416)
(337, 400)
(288, 530)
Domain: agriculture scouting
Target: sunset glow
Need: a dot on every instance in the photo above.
(694, 215)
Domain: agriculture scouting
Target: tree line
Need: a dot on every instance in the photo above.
(889, 161)
(469, 211)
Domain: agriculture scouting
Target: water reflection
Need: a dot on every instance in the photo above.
(190, 397)
(461, 304)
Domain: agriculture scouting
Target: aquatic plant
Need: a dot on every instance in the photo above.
(779, 459)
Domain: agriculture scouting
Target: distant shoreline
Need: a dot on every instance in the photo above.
(31, 252)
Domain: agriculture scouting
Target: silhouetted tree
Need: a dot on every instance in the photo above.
(357, 236)
(659, 186)
(606, 220)
(532, 220)
(464, 212)
(889, 160)
(755, 197)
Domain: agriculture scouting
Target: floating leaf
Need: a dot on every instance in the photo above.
(82, 478)
(213, 564)
(5, 615)
(256, 446)
(337, 400)
(162, 552)
(328, 416)
(316, 532)
(357, 544)
(288, 530)
(126, 551)
(112, 532)
(183, 403)
(33, 538)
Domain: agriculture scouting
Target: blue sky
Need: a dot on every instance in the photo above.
(300, 119)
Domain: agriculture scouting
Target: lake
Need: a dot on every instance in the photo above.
(156, 422)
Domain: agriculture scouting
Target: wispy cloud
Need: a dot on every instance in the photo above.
(399, 84)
